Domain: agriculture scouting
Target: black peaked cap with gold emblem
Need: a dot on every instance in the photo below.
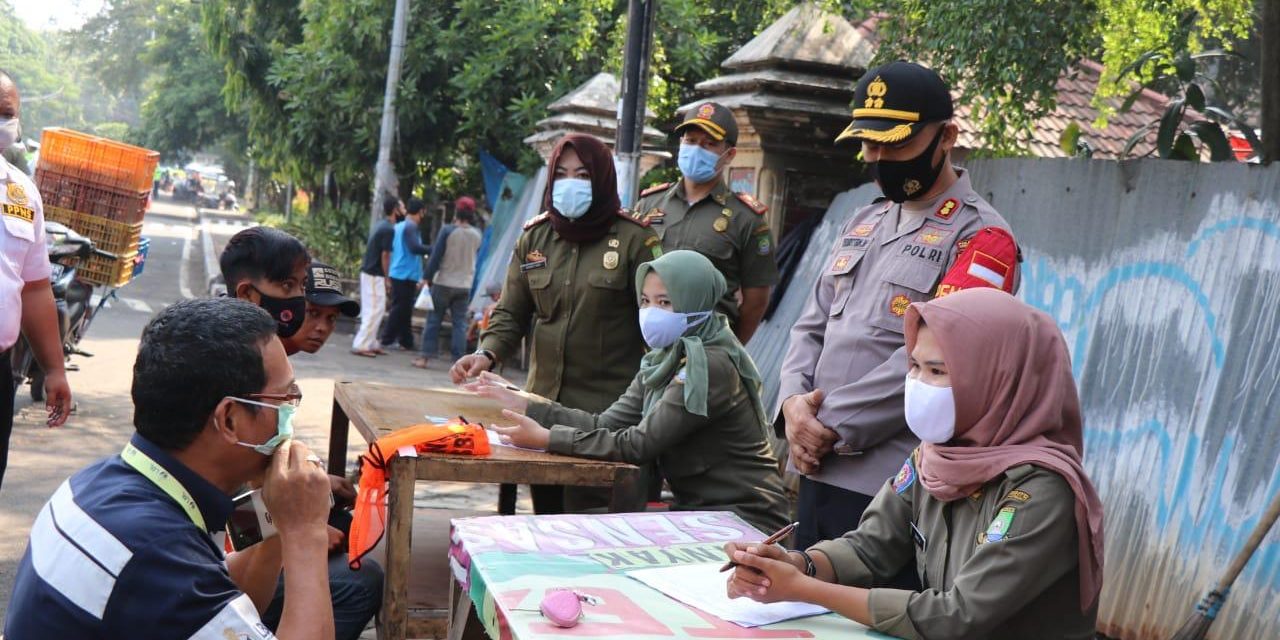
(714, 118)
(893, 102)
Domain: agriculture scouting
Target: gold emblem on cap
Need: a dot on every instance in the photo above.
(613, 242)
(611, 260)
(875, 94)
(720, 224)
(17, 195)
(706, 110)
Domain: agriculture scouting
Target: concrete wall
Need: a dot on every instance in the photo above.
(1165, 278)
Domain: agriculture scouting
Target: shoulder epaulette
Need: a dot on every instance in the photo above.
(657, 188)
(626, 215)
(755, 205)
(537, 220)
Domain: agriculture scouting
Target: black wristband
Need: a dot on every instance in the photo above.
(493, 360)
(810, 569)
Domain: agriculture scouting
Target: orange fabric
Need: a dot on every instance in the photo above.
(369, 519)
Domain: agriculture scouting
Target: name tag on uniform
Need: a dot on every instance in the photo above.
(26, 214)
(533, 260)
(918, 536)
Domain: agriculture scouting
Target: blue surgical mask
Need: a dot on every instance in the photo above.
(661, 328)
(284, 426)
(698, 164)
(571, 197)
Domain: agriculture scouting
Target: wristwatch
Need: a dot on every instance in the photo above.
(810, 569)
(493, 360)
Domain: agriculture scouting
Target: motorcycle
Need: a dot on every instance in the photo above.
(73, 298)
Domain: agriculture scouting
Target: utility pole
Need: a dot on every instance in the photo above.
(384, 174)
(1270, 66)
(635, 86)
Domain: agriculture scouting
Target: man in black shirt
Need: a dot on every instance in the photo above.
(373, 279)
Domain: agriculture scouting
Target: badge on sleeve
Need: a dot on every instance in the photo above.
(762, 245)
(905, 478)
(17, 195)
(999, 527)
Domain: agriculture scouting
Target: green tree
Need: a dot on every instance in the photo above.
(47, 82)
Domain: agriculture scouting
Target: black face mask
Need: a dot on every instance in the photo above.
(902, 180)
(289, 313)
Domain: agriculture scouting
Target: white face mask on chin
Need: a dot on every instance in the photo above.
(930, 411)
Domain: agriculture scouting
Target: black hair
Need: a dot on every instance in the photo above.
(261, 252)
(415, 206)
(389, 204)
(465, 215)
(191, 356)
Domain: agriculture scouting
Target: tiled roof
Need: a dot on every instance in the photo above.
(1075, 95)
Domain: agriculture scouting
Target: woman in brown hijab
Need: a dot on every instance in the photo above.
(994, 507)
(570, 289)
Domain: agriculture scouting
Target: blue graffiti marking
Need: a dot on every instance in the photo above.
(1253, 224)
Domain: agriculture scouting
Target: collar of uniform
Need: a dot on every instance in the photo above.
(215, 505)
(720, 194)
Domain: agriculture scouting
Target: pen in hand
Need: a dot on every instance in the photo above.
(777, 535)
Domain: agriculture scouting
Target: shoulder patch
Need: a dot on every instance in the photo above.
(1019, 495)
(947, 209)
(906, 477)
(755, 205)
(657, 188)
(622, 213)
(999, 527)
(537, 220)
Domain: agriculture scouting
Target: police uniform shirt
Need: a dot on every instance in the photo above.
(849, 340)
(111, 555)
(23, 256)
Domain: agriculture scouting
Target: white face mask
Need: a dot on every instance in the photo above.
(9, 132)
(661, 328)
(931, 411)
(571, 197)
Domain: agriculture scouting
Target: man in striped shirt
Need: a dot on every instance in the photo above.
(132, 546)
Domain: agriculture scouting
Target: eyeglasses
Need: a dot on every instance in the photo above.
(293, 397)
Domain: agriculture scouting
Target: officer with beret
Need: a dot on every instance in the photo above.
(841, 389)
(701, 214)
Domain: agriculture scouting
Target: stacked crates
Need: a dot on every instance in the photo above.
(101, 188)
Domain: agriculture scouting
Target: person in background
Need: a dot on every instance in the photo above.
(405, 275)
(324, 302)
(994, 510)
(702, 214)
(131, 547)
(694, 406)
(26, 297)
(373, 279)
(449, 273)
(481, 322)
(570, 290)
(268, 267)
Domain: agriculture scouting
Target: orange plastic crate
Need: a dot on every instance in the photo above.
(98, 160)
(99, 270)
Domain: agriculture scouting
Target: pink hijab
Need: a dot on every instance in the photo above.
(1016, 404)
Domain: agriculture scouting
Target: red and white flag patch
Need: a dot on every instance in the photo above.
(989, 269)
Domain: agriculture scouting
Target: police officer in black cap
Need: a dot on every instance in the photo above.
(841, 401)
(701, 214)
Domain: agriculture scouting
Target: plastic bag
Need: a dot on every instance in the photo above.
(424, 301)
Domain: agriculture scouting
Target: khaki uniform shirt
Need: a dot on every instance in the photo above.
(577, 304)
(1002, 563)
(849, 340)
(721, 461)
(723, 227)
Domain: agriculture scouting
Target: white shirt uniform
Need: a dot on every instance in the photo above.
(23, 255)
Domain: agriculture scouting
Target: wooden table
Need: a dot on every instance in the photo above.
(375, 410)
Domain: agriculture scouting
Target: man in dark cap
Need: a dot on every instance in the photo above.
(841, 390)
(701, 214)
(325, 301)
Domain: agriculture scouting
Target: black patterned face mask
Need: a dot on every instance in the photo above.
(903, 180)
(289, 313)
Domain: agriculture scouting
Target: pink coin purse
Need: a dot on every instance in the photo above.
(563, 607)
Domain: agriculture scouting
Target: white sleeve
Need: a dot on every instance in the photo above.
(239, 619)
(36, 265)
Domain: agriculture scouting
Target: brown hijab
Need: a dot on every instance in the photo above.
(605, 205)
(1016, 404)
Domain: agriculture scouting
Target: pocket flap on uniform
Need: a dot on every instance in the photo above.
(715, 247)
(20, 229)
(539, 278)
(613, 279)
(918, 275)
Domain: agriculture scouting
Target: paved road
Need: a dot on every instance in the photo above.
(40, 459)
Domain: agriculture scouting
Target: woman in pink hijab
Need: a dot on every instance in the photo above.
(994, 507)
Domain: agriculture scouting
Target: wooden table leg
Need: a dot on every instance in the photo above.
(399, 536)
(461, 613)
(628, 494)
(507, 499)
(339, 426)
